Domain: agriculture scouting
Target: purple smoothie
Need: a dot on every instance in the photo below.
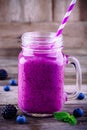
(41, 83)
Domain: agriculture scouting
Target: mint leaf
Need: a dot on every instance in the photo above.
(72, 120)
(62, 116)
(66, 117)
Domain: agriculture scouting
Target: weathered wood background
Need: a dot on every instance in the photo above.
(19, 16)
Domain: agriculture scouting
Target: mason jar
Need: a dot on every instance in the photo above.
(41, 70)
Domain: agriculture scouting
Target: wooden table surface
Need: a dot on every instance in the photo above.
(33, 123)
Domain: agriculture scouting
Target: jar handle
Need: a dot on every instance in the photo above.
(74, 61)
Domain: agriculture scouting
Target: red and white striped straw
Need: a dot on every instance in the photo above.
(66, 17)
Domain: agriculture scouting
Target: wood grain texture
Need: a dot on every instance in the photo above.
(40, 10)
(83, 10)
(25, 10)
(59, 9)
(72, 29)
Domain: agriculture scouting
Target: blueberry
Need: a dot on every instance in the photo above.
(6, 88)
(78, 112)
(3, 74)
(81, 96)
(13, 82)
(21, 119)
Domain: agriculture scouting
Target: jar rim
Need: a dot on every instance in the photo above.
(39, 33)
(49, 37)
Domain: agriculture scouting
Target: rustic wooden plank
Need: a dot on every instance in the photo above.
(75, 42)
(9, 52)
(75, 52)
(14, 11)
(10, 42)
(39, 10)
(72, 29)
(59, 10)
(83, 10)
(41, 124)
(76, 29)
(3, 10)
(26, 11)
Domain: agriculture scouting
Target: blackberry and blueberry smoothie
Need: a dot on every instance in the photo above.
(40, 75)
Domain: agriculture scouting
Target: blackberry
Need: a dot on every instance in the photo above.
(9, 111)
(3, 74)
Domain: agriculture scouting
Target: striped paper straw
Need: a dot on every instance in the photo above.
(66, 17)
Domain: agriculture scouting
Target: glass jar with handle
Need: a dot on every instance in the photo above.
(41, 69)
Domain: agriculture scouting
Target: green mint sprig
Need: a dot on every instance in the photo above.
(65, 117)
